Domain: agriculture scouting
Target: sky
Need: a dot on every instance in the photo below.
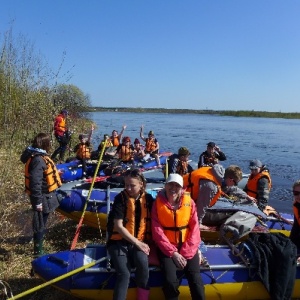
(185, 54)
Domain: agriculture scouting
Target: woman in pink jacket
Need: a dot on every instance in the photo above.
(175, 230)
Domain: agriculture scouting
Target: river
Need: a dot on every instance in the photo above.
(273, 141)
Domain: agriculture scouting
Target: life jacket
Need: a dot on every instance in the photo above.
(108, 144)
(175, 222)
(192, 181)
(144, 229)
(252, 183)
(182, 166)
(125, 153)
(151, 145)
(60, 125)
(296, 210)
(210, 159)
(51, 174)
(84, 151)
(115, 141)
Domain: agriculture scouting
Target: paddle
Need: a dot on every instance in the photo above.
(87, 199)
(57, 279)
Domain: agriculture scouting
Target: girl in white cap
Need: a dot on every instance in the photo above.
(175, 230)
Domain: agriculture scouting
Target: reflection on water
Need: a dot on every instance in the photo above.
(274, 141)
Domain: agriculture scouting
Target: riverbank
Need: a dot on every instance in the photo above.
(233, 113)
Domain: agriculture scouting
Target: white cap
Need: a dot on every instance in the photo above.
(175, 178)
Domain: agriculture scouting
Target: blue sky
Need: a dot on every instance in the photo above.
(194, 54)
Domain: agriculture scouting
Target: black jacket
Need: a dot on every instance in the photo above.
(38, 184)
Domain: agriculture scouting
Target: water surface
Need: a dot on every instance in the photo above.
(274, 141)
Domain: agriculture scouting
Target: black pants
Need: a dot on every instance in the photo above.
(171, 282)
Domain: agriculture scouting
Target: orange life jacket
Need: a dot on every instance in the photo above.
(60, 125)
(151, 145)
(115, 141)
(84, 151)
(192, 180)
(125, 153)
(144, 231)
(252, 183)
(175, 222)
(296, 214)
(108, 144)
(51, 174)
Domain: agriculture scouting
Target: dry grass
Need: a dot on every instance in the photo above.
(16, 245)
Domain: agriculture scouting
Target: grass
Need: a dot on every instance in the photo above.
(16, 245)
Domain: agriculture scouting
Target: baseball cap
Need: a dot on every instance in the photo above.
(175, 178)
(183, 151)
(211, 144)
(255, 164)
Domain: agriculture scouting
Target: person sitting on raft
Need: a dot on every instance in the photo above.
(259, 183)
(175, 230)
(295, 232)
(178, 163)
(129, 235)
(117, 137)
(211, 156)
(152, 145)
(83, 150)
(125, 150)
(139, 153)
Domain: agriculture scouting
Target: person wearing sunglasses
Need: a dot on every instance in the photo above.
(295, 232)
(259, 183)
(233, 175)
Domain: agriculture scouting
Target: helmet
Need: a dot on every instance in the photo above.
(151, 132)
(136, 141)
(183, 151)
(126, 139)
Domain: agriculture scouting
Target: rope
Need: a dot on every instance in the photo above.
(87, 199)
(6, 289)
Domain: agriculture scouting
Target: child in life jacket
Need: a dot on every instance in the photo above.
(83, 150)
(125, 150)
(139, 152)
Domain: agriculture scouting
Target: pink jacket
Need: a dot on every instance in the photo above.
(190, 246)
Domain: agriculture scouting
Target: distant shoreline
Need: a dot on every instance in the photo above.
(238, 113)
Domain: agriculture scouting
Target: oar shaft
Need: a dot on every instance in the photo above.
(57, 279)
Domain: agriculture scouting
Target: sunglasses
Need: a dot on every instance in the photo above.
(296, 193)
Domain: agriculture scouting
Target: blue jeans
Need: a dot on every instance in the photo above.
(124, 257)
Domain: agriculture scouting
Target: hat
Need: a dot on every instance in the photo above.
(255, 164)
(183, 151)
(211, 144)
(151, 132)
(175, 178)
(136, 141)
